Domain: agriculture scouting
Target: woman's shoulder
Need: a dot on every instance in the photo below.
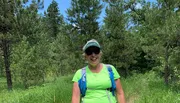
(79, 71)
(78, 74)
(109, 65)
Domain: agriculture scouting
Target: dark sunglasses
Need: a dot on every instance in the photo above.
(92, 50)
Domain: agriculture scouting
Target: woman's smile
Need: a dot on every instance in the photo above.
(93, 59)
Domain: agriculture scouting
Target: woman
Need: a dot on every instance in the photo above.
(97, 79)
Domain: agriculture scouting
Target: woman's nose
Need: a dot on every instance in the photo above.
(93, 54)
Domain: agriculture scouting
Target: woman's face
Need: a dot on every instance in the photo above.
(93, 55)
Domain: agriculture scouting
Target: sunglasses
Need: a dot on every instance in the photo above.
(92, 50)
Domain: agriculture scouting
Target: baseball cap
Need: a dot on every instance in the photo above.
(90, 43)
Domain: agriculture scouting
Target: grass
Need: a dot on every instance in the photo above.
(55, 92)
(2, 83)
(148, 88)
(140, 88)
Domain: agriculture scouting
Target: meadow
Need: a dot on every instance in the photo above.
(139, 88)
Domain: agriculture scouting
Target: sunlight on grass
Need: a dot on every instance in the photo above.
(140, 88)
(55, 92)
(148, 88)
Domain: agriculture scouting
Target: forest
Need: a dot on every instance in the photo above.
(40, 52)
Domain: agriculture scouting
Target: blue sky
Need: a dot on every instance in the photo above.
(64, 4)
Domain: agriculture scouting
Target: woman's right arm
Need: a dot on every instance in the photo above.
(75, 93)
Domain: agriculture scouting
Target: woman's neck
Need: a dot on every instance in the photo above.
(97, 68)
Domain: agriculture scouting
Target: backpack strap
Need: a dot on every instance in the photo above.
(111, 76)
(82, 82)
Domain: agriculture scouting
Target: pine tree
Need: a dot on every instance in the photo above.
(83, 16)
(28, 21)
(14, 24)
(7, 21)
(53, 19)
(157, 25)
(27, 69)
(119, 43)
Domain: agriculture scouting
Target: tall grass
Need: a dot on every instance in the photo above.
(55, 92)
(149, 88)
(140, 88)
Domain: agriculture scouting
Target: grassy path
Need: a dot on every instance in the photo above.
(132, 99)
(141, 88)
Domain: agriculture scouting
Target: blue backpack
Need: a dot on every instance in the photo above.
(83, 86)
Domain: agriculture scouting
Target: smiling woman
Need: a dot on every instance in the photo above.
(96, 82)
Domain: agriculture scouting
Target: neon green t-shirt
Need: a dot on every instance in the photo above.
(97, 83)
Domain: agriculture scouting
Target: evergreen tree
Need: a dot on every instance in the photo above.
(83, 25)
(27, 69)
(7, 21)
(119, 43)
(83, 16)
(28, 22)
(17, 21)
(1, 65)
(53, 19)
(157, 25)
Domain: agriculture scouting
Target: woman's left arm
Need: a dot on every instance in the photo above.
(119, 92)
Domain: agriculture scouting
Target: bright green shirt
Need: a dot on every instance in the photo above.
(97, 83)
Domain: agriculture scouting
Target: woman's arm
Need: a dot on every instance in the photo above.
(119, 92)
(75, 93)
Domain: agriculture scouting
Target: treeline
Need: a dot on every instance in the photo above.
(136, 37)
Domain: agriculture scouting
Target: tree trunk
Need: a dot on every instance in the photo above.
(1, 71)
(6, 54)
(127, 72)
(166, 67)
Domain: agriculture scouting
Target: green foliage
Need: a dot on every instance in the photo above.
(26, 68)
(148, 88)
(140, 88)
(83, 25)
(60, 56)
(83, 16)
(55, 92)
(29, 23)
(7, 26)
(3, 84)
(53, 19)
(26, 25)
(175, 72)
(6, 17)
(143, 64)
(158, 32)
(1, 66)
(133, 39)
(119, 44)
